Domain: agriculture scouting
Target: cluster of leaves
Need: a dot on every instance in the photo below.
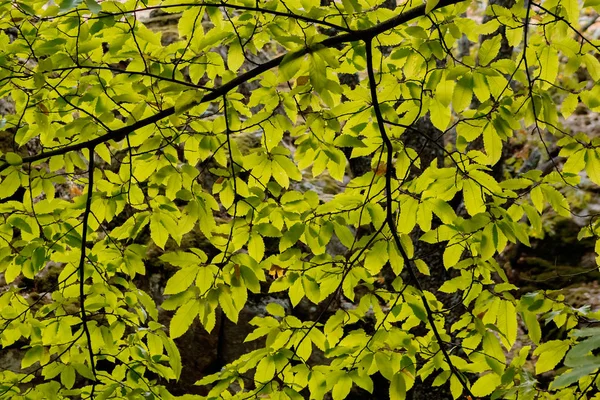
(146, 138)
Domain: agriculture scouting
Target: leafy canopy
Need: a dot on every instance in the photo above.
(120, 149)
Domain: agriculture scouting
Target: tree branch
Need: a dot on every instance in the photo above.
(360, 35)
(86, 214)
(390, 215)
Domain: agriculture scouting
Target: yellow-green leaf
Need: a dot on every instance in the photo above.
(492, 144)
(452, 254)
(569, 105)
(183, 318)
(592, 167)
(13, 159)
(550, 354)
(439, 114)
(158, 231)
(463, 93)
(398, 387)
(181, 280)
(473, 197)
(256, 247)
(507, 323)
(489, 50)
(548, 64)
(486, 385)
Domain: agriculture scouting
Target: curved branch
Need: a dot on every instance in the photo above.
(360, 35)
(390, 220)
(235, 7)
(86, 214)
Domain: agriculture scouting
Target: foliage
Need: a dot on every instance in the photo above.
(145, 139)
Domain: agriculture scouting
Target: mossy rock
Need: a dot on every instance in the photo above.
(538, 273)
(247, 141)
(582, 295)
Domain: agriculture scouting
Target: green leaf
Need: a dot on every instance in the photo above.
(549, 65)
(12, 272)
(576, 162)
(384, 365)
(485, 385)
(557, 201)
(537, 198)
(181, 280)
(148, 304)
(440, 115)
(419, 311)
(425, 216)
(67, 376)
(183, 318)
(183, 259)
(318, 72)
(67, 5)
(444, 92)
(38, 258)
(550, 354)
(291, 64)
(226, 301)
(573, 376)
(158, 231)
(93, 6)
(186, 100)
(397, 387)
(348, 141)
(344, 235)
(376, 257)
(507, 323)
(342, 387)
(32, 356)
(265, 370)
(296, 292)
(443, 210)
(569, 105)
(103, 152)
(256, 247)
(496, 357)
(592, 166)
(452, 255)
(173, 352)
(396, 259)
(408, 214)
(489, 50)
(422, 267)
(533, 326)
(311, 289)
(13, 159)
(363, 381)
(456, 387)
(10, 184)
(488, 246)
(430, 5)
(276, 310)
(268, 230)
(492, 144)
(250, 279)
(235, 56)
(473, 197)
(463, 93)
